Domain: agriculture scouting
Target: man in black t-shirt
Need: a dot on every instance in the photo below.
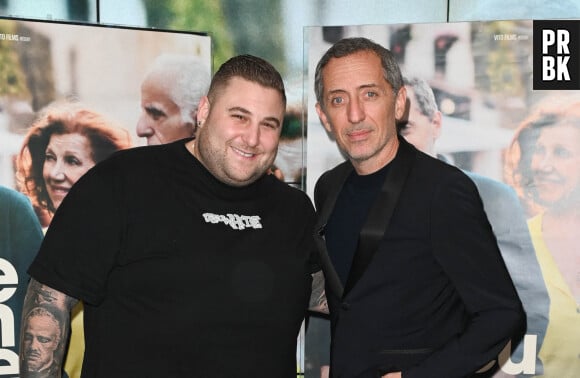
(190, 259)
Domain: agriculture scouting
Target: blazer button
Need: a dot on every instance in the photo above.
(345, 306)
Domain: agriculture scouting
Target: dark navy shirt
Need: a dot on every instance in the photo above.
(348, 217)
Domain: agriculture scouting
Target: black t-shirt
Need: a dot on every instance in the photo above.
(182, 275)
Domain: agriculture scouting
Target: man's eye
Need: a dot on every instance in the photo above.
(154, 113)
(371, 94)
(272, 126)
(337, 100)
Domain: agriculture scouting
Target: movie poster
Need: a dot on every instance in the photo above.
(75, 74)
(520, 145)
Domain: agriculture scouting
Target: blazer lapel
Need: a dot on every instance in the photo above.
(380, 214)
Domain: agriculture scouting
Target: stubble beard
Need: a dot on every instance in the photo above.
(216, 162)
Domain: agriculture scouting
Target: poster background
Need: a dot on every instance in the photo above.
(245, 35)
(98, 65)
(101, 67)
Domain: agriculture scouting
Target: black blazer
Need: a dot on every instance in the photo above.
(436, 299)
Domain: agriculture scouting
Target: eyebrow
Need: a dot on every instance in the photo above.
(362, 86)
(246, 111)
(239, 109)
(371, 85)
(150, 107)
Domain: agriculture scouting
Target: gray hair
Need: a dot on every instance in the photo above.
(187, 79)
(424, 96)
(349, 46)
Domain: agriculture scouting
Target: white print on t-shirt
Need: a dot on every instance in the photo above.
(235, 221)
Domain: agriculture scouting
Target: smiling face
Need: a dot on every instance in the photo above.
(67, 158)
(359, 109)
(160, 120)
(555, 165)
(239, 133)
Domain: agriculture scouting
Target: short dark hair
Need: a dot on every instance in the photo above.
(248, 67)
(349, 46)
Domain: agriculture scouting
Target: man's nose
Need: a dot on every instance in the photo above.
(251, 134)
(356, 111)
(144, 128)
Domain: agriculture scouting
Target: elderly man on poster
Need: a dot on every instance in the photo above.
(170, 95)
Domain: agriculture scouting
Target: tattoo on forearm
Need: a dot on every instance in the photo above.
(318, 301)
(44, 331)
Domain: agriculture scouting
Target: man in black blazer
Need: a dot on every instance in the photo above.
(414, 279)
(422, 127)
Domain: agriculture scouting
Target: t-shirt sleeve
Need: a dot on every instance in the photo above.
(83, 239)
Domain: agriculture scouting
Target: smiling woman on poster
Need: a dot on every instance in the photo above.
(542, 163)
(65, 142)
(62, 145)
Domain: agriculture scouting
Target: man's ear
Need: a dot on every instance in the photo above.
(401, 103)
(323, 118)
(202, 111)
(436, 121)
